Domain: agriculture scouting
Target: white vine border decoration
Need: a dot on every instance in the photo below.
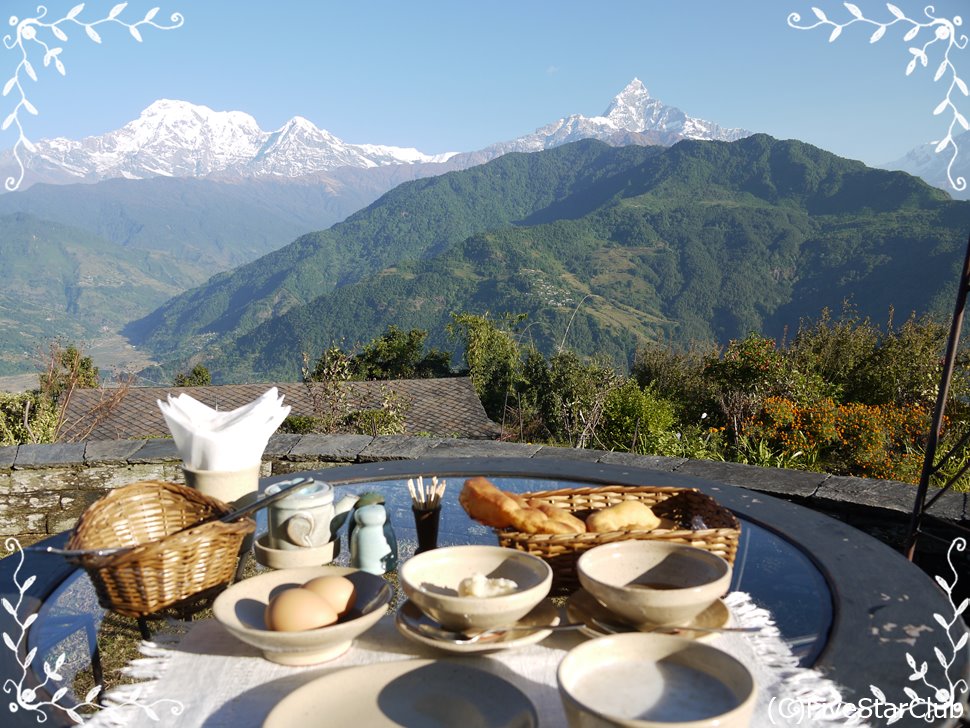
(30, 35)
(942, 30)
(946, 694)
(26, 698)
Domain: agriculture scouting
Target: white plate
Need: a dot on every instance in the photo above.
(544, 615)
(427, 693)
(583, 607)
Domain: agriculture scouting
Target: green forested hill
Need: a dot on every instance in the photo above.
(416, 219)
(702, 241)
(61, 282)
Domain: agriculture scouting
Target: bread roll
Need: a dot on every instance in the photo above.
(629, 515)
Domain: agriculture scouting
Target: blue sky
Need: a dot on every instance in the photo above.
(458, 75)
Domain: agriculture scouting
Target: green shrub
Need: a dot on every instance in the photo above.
(635, 419)
(27, 418)
(678, 377)
(567, 394)
(198, 377)
(492, 355)
(301, 425)
(374, 422)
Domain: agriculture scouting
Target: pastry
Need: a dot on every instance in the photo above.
(629, 515)
(486, 503)
(493, 507)
(566, 521)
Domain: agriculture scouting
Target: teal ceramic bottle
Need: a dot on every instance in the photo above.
(370, 499)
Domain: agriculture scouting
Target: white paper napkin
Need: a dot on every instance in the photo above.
(208, 439)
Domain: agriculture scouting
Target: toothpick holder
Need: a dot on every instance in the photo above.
(426, 524)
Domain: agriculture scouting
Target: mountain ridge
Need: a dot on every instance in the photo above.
(702, 241)
(174, 138)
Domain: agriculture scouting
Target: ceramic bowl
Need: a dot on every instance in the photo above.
(652, 582)
(240, 610)
(654, 681)
(431, 581)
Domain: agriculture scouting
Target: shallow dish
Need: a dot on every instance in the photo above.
(409, 617)
(293, 558)
(654, 681)
(582, 607)
(427, 693)
(431, 581)
(654, 582)
(240, 610)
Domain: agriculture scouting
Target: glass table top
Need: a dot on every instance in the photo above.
(825, 584)
(775, 572)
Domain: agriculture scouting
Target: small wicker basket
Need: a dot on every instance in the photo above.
(561, 551)
(164, 567)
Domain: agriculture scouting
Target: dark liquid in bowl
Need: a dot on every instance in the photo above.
(656, 585)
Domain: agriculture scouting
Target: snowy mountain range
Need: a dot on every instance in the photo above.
(179, 139)
(632, 113)
(925, 162)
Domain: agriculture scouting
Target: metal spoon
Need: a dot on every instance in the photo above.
(233, 515)
(616, 628)
(472, 636)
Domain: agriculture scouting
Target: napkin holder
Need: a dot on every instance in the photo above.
(225, 485)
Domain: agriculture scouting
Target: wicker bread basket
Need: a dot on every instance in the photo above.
(165, 567)
(561, 551)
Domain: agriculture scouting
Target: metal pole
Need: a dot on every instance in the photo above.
(949, 361)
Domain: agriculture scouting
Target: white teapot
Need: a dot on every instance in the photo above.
(307, 518)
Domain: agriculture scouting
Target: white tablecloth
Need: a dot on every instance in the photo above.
(208, 678)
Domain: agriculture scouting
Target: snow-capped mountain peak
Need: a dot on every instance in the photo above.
(632, 107)
(633, 116)
(180, 139)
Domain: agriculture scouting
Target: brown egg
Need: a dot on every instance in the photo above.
(339, 591)
(297, 609)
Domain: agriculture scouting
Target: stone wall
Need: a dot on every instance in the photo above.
(44, 488)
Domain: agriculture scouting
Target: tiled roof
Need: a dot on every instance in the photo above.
(439, 407)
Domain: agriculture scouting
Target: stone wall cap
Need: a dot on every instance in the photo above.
(466, 448)
(650, 462)
(153, 451)
(8, 456)
(888, 494)
(41, 456)
(103, 452)
(397, 447)
(777, 481)
(339, 448)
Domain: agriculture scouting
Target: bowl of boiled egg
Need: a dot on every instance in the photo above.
(303, 616)
(475, 587)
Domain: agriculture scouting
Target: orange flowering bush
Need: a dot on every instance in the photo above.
(792, 428)
(876, 441)
(880, 441)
